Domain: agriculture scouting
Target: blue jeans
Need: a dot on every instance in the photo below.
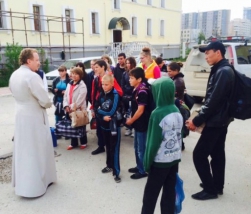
(140, 147)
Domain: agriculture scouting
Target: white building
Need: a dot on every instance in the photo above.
(240, 27)
(210, 23)
(190, 37)
(92, 27)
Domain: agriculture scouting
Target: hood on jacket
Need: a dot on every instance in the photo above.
(163, 91)
(178, 75)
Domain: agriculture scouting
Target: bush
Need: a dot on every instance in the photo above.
(44, 62)
(12, 53)
(4, 78)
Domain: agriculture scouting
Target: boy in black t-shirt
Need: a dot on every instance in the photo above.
(139, 119)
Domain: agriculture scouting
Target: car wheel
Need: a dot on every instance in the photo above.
(198, 99)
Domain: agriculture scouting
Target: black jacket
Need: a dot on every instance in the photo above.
(117, 73)
(107, 105)
(220, 86)
(125, 84)
(179, 86)
(59, 92)
(89, 85)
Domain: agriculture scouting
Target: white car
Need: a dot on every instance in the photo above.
(197, 70)
(50, 76)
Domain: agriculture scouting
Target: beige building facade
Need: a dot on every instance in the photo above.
(93, 27)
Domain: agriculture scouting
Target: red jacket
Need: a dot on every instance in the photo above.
(97, 88)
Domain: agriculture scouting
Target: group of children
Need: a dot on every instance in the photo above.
(158, 131)
(129, 99)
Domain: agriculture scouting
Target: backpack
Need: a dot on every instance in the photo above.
(120, 109)
(240, 101)
(185, 112)
(150, 103)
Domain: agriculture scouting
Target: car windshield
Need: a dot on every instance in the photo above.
(243, 54)
(70, 63)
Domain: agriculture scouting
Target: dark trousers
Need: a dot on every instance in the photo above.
(83, 140)
(211, 143)
(101, 141)
(112, 150)
(158, 178)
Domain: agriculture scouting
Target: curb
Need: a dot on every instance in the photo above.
(6, 155)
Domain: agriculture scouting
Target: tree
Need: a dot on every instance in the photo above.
(201, 37)
(12, 53)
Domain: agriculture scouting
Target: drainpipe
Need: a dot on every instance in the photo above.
(105, 25)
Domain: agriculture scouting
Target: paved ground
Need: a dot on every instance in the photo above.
(82, 188)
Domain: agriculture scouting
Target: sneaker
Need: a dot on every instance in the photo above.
(133, 170)
(83, 146)
(138, 175)
(220, 192)
(128, 132)
(98, 150)
(204, 196)
(132, 135)
(70, 147)
(106, 170)
(117, 179)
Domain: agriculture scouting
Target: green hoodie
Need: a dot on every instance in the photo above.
(163, 145)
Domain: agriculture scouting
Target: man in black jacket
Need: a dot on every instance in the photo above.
(214, 113)
(120, 68)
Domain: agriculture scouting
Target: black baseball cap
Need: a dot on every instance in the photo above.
(214, 46)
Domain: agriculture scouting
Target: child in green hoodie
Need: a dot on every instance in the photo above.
(163, 148)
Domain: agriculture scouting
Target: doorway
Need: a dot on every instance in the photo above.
(117, 36)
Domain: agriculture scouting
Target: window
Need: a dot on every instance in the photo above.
(68, 20)
(94, 19)
(37, 21)
(116, 4)
(134, 26)
(149, 2)
(162, 27)
(149, 27)
(162, 3)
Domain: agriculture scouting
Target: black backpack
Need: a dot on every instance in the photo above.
(240, 101)
(150, 103)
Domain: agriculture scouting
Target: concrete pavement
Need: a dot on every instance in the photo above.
(82, 188)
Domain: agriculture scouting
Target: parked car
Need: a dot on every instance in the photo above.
(51, 67)
(197, 70)
(50, 76)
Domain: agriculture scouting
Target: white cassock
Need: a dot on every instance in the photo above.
(33, 166)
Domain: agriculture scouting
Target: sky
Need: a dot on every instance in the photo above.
(236, 6)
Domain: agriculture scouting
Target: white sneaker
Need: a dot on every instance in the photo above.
(132, 135)
(128, 132)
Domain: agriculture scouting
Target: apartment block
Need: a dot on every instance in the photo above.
(210, 23)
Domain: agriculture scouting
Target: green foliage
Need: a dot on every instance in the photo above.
(12, 53)
(45, 66)
(201, 37)
(180, 59)
(4, 78)
(188, 51)
(44, 62)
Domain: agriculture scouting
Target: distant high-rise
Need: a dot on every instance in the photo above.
(211, 23)
(247, 13)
